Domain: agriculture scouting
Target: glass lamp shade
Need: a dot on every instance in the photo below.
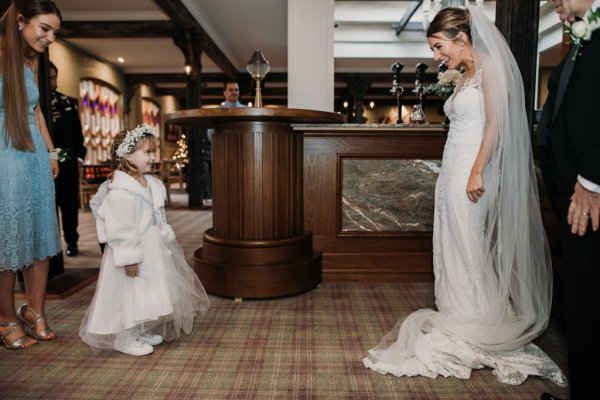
(258, 66)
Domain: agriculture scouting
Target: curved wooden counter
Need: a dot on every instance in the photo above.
(257, 247)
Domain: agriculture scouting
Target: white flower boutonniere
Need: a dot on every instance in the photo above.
(63, 154)
(59, 154)
(582, 30)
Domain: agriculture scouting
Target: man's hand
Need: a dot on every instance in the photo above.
(585, 205)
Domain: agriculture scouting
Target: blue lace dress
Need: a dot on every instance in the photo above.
(28, 221)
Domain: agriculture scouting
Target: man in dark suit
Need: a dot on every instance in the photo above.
(67, 136)
(569, 139)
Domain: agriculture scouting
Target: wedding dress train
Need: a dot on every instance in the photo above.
(431, 343)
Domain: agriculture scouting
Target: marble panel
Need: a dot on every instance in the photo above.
(388, 195)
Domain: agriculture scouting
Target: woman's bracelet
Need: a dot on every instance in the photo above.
(53, 154)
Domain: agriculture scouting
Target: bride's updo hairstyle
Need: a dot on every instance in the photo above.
(451, 22)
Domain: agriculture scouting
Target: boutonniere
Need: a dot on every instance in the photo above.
(582, 30)
(59, 154)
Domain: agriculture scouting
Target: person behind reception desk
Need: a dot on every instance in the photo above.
(231, 91)
(493, 279)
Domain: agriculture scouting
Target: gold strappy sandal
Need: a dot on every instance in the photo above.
(17, 344)
(29, 327)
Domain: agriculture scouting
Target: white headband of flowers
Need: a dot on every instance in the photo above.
(132, 137)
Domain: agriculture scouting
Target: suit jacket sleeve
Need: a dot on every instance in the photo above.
(587, 114)
(80, 149)
(590, 163)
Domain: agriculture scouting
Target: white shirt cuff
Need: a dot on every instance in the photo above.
(589, 185)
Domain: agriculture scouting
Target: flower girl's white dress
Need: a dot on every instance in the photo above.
(166, 296)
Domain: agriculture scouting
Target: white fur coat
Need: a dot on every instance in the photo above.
(127, 212)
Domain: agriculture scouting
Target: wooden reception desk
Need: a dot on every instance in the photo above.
(369, 198)
(258, 246)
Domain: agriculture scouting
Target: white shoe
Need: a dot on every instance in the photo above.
(133, 347)
(150, 339)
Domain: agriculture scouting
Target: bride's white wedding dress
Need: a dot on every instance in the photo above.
(421, 343)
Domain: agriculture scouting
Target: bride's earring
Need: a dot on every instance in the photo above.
(462, 47)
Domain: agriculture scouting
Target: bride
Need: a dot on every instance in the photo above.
(493, 279)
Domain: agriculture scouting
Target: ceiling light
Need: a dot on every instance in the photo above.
(121, 60)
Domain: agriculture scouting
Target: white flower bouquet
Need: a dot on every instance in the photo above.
(445, 85)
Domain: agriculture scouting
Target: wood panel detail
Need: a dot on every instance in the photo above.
(363, 256)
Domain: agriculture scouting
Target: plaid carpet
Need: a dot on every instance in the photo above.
(302, 347)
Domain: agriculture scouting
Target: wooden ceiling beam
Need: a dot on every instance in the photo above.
(412, 7)
(182, 18)
(155, 78)
(116, 29)
(277, 77)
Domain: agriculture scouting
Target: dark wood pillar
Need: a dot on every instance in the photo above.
(358, 87)
(130, 89)
(197, 174)
(257, 247)
(518, 21)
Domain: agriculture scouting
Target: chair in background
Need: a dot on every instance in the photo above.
(90, 178)
(171, 173)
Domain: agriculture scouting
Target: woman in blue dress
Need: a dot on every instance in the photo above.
(29, 163)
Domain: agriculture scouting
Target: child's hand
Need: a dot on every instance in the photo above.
(132, 270)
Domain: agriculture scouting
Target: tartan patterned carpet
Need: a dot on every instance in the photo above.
(308, 346)
(303, 347)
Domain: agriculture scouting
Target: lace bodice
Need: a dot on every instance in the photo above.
(464, 109)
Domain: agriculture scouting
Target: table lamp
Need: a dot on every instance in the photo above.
(258, 67)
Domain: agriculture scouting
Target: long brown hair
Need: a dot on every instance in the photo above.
(451, 22)
(13, 54)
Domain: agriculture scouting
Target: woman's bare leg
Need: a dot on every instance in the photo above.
(7, 309)
(7, 296)
(36, 280)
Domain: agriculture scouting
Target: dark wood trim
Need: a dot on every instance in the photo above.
(117, 29)
(518, 21)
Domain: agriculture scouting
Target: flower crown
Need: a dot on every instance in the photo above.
(132, 137)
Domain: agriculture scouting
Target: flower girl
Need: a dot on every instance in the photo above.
(146, 292)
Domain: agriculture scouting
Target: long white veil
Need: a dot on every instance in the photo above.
(517, 250)
(517, 271)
